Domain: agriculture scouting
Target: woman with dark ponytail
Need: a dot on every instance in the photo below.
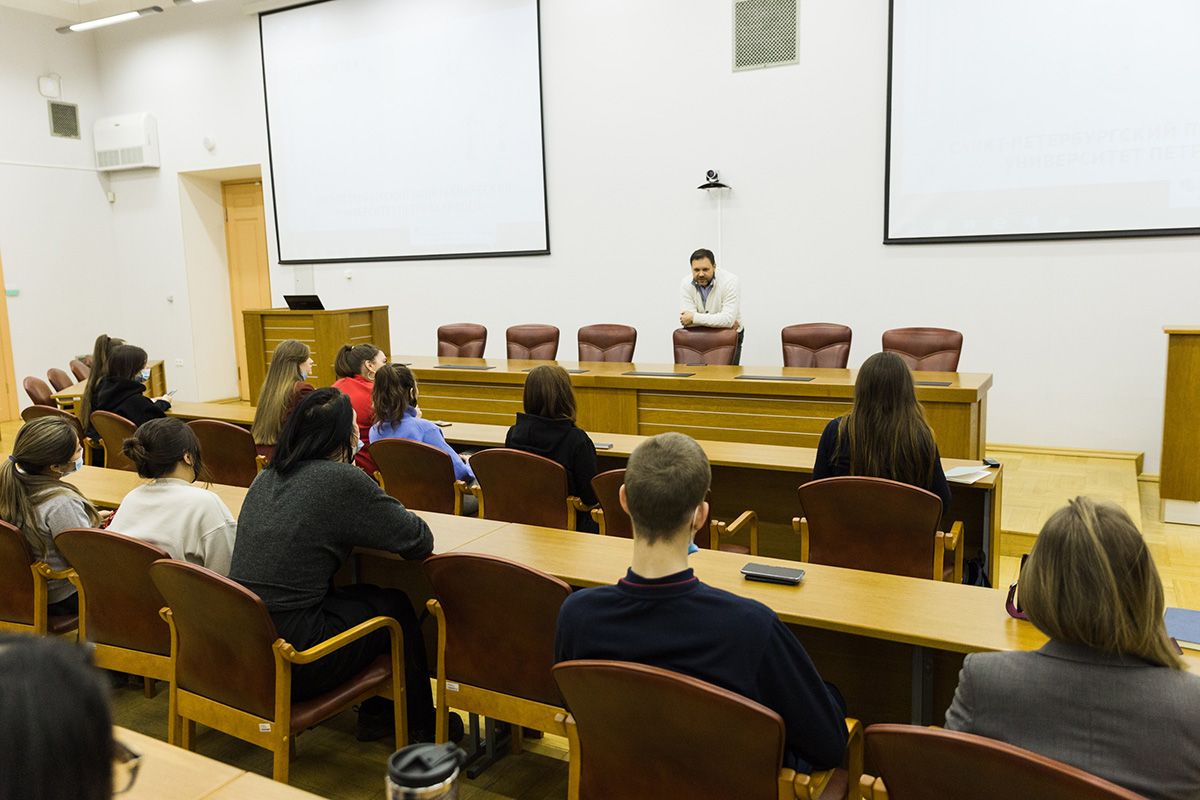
(356, 366)
(101, 352)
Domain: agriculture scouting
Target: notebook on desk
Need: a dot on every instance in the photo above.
(1183, 625)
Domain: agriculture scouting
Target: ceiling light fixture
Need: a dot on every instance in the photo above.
(113, 20)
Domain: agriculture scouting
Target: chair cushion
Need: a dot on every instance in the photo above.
(307, 713)
(59, 625)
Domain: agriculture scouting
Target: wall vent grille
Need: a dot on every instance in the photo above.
(764, 34)
(64, 119)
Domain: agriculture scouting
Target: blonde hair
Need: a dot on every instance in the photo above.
(277, 389)
(40, 444)
(1090, 580)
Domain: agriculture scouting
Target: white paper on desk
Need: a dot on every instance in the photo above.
(966, 474)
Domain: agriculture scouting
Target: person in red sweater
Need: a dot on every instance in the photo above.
(356, 366)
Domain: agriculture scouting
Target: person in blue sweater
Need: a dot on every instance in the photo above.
(660, 614)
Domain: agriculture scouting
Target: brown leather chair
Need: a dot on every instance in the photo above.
(39, 391)
(231, 670)
(499, 662)
(114, 430)
(607, 343)
(419, 475)
(461, 340)
(515, 486)
(702, 345)
(925, 349)
(821, 345)
(532, 342)
(634, 734)
(80, 370)
(228, 451)
(23, 592)
(118, 604)
(59, 379)
(915, 762)
(34, 412)
(877, 525)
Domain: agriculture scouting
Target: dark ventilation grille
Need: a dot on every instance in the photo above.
(764, 33)
(64, 120)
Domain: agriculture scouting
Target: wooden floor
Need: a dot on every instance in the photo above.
(333, 764)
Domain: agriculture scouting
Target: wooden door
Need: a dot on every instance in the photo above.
(9, 406)
(249, 276)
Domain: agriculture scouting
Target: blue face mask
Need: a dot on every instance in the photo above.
(76, 465)
(144, 375)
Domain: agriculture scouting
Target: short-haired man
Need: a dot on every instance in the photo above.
(713, 303)
(660, 614)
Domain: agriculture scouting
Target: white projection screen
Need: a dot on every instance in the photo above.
(1042, 119)
(402, 129)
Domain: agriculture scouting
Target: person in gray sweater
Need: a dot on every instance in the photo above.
(302, 517)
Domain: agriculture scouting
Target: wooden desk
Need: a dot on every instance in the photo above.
(68, 398)
(234, 413)
(712, 404)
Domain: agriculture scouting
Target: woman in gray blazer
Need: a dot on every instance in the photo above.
(1107, 693)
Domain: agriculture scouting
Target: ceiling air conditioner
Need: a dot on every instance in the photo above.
(129, 141)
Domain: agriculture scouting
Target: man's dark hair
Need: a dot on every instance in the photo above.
(321, 428)
(703, 253)
(665, 480)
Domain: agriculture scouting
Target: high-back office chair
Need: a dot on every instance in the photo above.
(58, 378)
(532, 342)
(114, 430)
(700, 345)
(915, 763)
(231, 670)
(419, 475)
(23, 591)
(227, 450)
(515, 486)
(39, 392)
(80, 370)
(633, 733)
(877, 525)
(607, 343)
(926, 349)
(461, 340)
(821, 345)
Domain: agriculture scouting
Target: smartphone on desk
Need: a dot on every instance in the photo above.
(789, 576)
(604, 445)
(172, 393)
(441, 423)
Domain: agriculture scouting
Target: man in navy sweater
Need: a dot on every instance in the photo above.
(661, 614)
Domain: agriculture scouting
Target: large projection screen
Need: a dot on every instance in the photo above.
(403, 129)
(1042, 119)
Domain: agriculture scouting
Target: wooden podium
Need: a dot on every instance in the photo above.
(1179, 488)
(323, 331)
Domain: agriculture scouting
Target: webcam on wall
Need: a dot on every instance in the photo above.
(712, 181)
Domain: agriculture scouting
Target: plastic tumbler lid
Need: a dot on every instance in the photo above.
(420, 765)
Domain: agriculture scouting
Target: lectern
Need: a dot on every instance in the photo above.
(1179, 488)
(323, 331)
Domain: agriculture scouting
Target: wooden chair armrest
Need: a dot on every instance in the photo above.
(261, 461)
(872, 788)
(809, 787)
(800, 526)
(462, 488)
(344, 638)
(952, 538)
(746, 518)
(597, 515)
(953, 543)
(476, 490)
(45, 570)
(854, 758)
(579, 505)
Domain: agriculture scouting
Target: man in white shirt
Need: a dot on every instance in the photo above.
(709, 302)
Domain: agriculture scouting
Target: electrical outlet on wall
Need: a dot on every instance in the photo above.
(179, 362)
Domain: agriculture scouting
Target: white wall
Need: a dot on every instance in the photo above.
(639, 102)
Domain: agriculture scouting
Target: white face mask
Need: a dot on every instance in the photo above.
(354, 450)
(144, 375)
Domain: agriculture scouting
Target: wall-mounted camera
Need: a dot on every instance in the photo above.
(712, 180)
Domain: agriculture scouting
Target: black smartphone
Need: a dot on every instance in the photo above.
(991, 463)
(441, 423)
(764, 572)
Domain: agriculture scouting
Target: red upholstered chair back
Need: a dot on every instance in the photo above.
(227, 450)
(521, 487)
(16, 578)
(34, 412)
(500, 620)
(225, 637)
(872, 524)
(38, 391)
(607, 343)
(532, 342)
(816, 344)
(607, 486)
(705, 345)
(80, 370)
(915, 763)
(58, 378)
(461, 340)
(114, 430)
(419, 475)
(927, 349)
(120, 601)
(646, 733)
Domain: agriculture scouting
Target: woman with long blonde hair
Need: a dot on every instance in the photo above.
(283, 389)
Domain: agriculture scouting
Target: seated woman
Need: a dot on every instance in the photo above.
(547, 428)
(303, 516)
(171, 512)
(356, 367)
(101, 352)
(394, 400)
(283, 388)
(34, 498)
(123, 390)
(1107, 693)
(885, 435)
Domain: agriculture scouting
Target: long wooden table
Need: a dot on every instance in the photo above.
(781, 405)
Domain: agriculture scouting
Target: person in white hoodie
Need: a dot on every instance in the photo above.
(189, 522)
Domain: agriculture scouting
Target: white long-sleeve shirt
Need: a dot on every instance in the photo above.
(189, 522)
(723, 309)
